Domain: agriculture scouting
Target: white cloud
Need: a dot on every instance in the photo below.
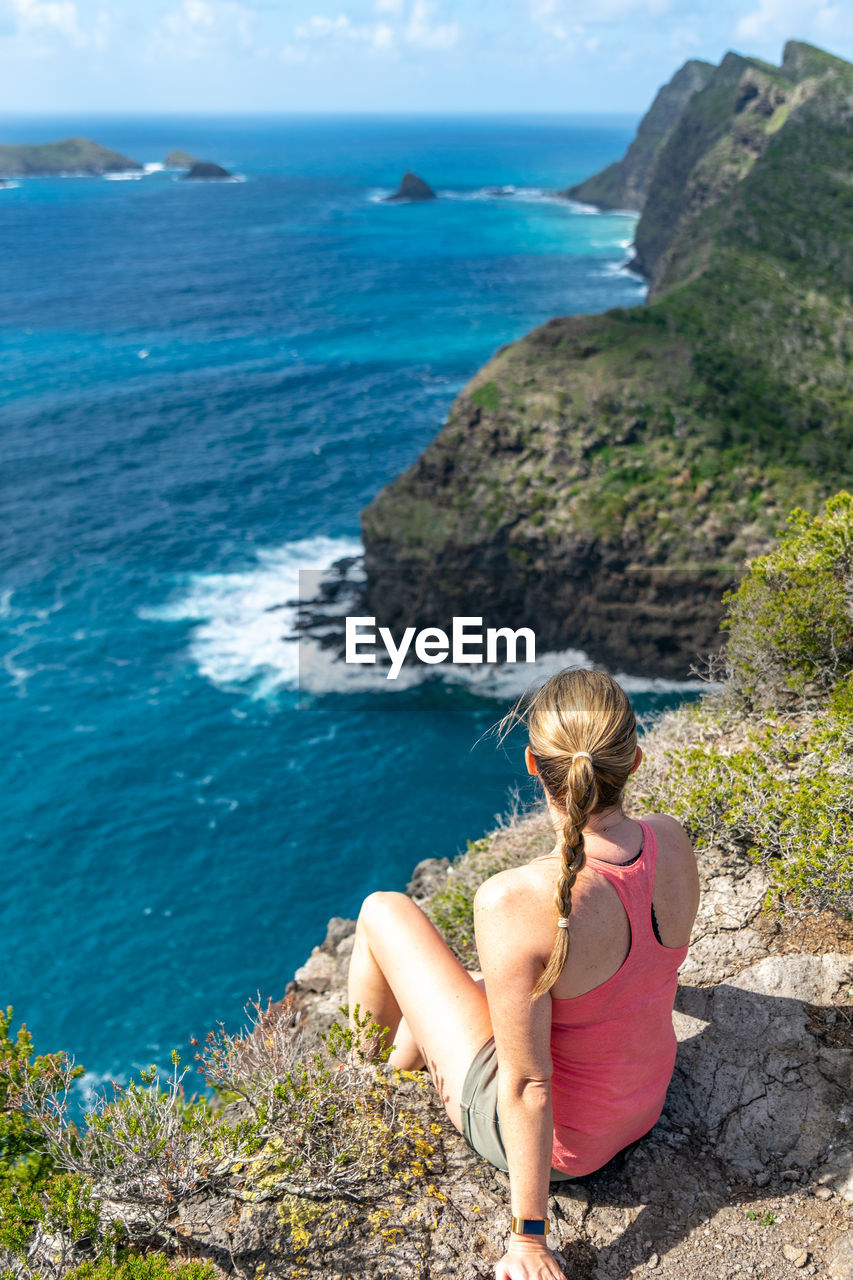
(574, 22)
(396, 26)
(38, 18)
(775, 20)
(423, 32)
(198, 28)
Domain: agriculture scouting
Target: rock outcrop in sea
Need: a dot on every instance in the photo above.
(411, 188)
(70, 156)
(205, 170)
(179, 160)
(605, 478)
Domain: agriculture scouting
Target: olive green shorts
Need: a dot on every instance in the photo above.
(481, 1126)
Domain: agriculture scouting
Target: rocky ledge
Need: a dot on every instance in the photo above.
(748, 1173)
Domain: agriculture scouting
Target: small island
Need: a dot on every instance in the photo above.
(69, 156)
(205, 170)
(411, 188)
(179, 160)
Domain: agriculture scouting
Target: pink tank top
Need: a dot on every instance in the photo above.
(614, 1047)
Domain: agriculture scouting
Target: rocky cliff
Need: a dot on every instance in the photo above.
(625, 183)
(604, 478)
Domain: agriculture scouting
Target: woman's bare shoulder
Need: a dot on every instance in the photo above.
(504, 887)
(670, 832)
(677, 887)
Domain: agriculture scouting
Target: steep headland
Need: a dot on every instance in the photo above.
(625, 183)
(604, 478)
(71, 155)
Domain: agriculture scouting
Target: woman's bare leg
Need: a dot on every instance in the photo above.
(402, 969)
(407, 1055)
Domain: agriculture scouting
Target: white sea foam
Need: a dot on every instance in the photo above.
(506, 192)
(154, 167)
(242, 619)
(125, 175)
(9, 185)
(241, 637)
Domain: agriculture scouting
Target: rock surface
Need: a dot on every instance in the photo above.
(411, 188)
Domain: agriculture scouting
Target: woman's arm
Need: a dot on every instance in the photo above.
(522, 1031)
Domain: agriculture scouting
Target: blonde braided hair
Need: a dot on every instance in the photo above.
(583, 738)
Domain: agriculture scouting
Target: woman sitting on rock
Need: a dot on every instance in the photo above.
(561, 1057)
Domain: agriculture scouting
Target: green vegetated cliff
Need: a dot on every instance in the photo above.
(71, 155)
(605, 478)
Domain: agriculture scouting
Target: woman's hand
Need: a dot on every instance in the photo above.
(528, 1260)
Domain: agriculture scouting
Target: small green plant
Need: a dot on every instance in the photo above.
(765, 1219)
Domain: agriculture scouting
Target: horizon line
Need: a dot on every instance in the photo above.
(295, 113)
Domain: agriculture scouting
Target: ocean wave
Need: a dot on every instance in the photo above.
(9, 185)
(505, 192)
(154, 166)
(657, 684)
(623, 268)
(244, 618)
(243, 637)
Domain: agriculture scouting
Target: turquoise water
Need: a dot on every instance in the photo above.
(202, 385)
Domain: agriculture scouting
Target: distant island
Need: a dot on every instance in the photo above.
(72, 155)
(205, 170)
(604, 479)
(411, 188)
(179, 160)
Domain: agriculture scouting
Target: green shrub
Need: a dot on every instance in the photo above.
(790, 621)
(24, 1159)
(135, 1266)
(487, 396)
(777, 789)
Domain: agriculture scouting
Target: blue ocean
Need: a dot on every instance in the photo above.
(202, 385)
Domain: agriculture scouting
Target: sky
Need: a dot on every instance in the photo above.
(388, 56)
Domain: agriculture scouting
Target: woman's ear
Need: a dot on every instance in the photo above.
(637, 758)
(529, 761)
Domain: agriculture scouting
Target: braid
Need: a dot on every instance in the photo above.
(580, 799)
